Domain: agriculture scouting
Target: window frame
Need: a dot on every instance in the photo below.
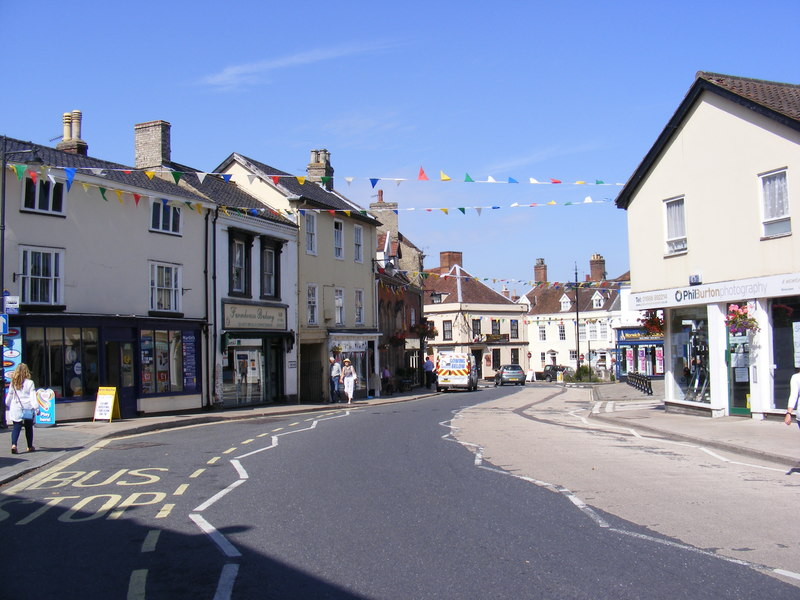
(338, 239)
(675, 244)
(269, 245)
(174, 289)
(310, 221)
(175, 215)
(55, 285)
(339, 315)
(562, 332)
(476, 328)
(447, 330)
(312, 308)
(51, 186)
(785, 217)
(542, 333)
(514, 330)
(358, 303)
(495, 326)
(358, 244)
(244, 239)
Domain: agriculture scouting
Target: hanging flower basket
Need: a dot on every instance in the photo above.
(336, 350)
(425, 330)
(739, 322)
(652, 322)
(398, 339)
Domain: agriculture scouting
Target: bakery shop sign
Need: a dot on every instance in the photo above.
(245, 316)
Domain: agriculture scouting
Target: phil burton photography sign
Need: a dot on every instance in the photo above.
(246, 316)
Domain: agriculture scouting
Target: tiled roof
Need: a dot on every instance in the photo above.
(472, 290)
(228, 194)
(310, 192)
(783, 98)
(547, 300)
(111, 171)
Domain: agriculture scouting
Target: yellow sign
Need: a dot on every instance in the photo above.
(107, 406)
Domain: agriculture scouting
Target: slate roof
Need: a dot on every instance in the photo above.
(547, 300)
(136, 178)
(228, 193)
(471, 290)
(774, 100)
(310, 193)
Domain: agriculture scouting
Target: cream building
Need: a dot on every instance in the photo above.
(711, 213)
(336, 281)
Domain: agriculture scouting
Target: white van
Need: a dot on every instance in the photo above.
(456, 370)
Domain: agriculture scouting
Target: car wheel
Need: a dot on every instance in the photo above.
(438, 389)
(548, 379)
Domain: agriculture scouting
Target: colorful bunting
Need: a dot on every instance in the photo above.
(422, 176)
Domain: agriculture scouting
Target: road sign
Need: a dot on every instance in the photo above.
(12, 305)
(3, 324)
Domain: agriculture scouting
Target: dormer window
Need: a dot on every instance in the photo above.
(597, 300)
(566, 303)
(436, 298)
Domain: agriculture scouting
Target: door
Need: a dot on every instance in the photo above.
(120, 374)
(738, 374)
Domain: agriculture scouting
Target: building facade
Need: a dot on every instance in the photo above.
(730, 156)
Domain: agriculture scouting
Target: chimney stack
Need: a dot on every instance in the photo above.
(448, 259)
(540, 271)
(152, 144)
(505, 292)
(386, 215)
(597, 268)
(71, 141)
(319, 167)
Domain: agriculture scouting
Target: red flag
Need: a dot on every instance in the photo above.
(333, 212)
(422, 176)
(275, 179)
(555, 181)
(136, 198)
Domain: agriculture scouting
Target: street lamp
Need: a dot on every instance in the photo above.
(577, 326)
(34, 161)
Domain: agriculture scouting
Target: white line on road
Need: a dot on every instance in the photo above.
(222, 543)
(150, 540)
(136, 585)
(226, 581)
(219, 495)
(239, 469)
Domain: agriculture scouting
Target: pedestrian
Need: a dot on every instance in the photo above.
(794, 392)
(386, 376)
(22, 406)
(428, 367)
(349, 379)
(336, 375)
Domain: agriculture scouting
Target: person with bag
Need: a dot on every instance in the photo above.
(794, 395)
(22, 406)
(349, 379)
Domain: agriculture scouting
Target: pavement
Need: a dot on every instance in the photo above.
(616, 403)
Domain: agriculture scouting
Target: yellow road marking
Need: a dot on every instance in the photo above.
(262, 434)
(248, 441)
(229, 450)
(213, 460)
(181, 488)
(196, 474)
(150, 541)
(295, 423)
(164, 512)
(136, 585)
(277, 429)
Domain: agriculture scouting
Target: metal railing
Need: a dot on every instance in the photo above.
(641, 383)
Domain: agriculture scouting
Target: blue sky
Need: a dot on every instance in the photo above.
(572, 90)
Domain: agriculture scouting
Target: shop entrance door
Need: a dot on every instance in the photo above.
(119, 374)
(738, 374)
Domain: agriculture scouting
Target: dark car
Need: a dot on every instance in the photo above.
(550, 372)
(509, 374)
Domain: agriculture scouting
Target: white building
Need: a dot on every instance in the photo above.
(711, 213)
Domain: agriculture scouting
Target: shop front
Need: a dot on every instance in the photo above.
(254, 346)
(730, 348)
(154, 364)
(360, 349)
(639, 351)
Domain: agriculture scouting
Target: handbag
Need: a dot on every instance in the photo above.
(27, 413)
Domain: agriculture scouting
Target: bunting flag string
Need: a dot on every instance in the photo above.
(324, 179)
(567, 285)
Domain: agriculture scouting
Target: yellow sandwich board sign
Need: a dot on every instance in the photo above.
(107, 406)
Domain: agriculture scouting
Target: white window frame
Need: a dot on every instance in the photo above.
(566, 303)
(603, 330)
(311, 233)
(573, 355)
(268, 263)
(676, 241)
(775, 191)
(581, 332)
(447, 330)
(338, 305)
(165, 289)
(562, 332)
(359, 307)
(51, 283)
(592, 331)
(338, 239)
(312, 304)
(239, 267)
(358, 243)
(513, 330)
(597, 300)
(51, 187)
(165, 218)
(542, 333)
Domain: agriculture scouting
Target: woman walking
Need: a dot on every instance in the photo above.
(21, 404)
(349, 378)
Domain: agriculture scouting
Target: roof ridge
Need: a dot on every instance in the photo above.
(710, 76)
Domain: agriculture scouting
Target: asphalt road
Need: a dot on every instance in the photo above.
(373, 502)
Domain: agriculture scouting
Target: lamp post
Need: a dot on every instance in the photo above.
(577, 325)
(36, 161)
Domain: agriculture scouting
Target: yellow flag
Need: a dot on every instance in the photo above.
(443, 176)
(85, 187)
(552, 203)
(119, 195)
(347, 212)
(444, 210)
(150, 174)
(301, 180)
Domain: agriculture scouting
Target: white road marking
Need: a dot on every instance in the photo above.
(150, 540)
(219, 495)
(137, 584)
(239, 469)
(222, 543)
(226, 581)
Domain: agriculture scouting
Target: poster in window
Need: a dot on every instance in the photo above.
(189, 362)
(659, 361)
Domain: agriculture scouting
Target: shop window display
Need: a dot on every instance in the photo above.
(785, 314)
(689, 344)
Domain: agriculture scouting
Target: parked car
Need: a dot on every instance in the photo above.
(550, 372)
(509, 374)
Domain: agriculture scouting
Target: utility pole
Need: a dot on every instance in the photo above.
(577, 326)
